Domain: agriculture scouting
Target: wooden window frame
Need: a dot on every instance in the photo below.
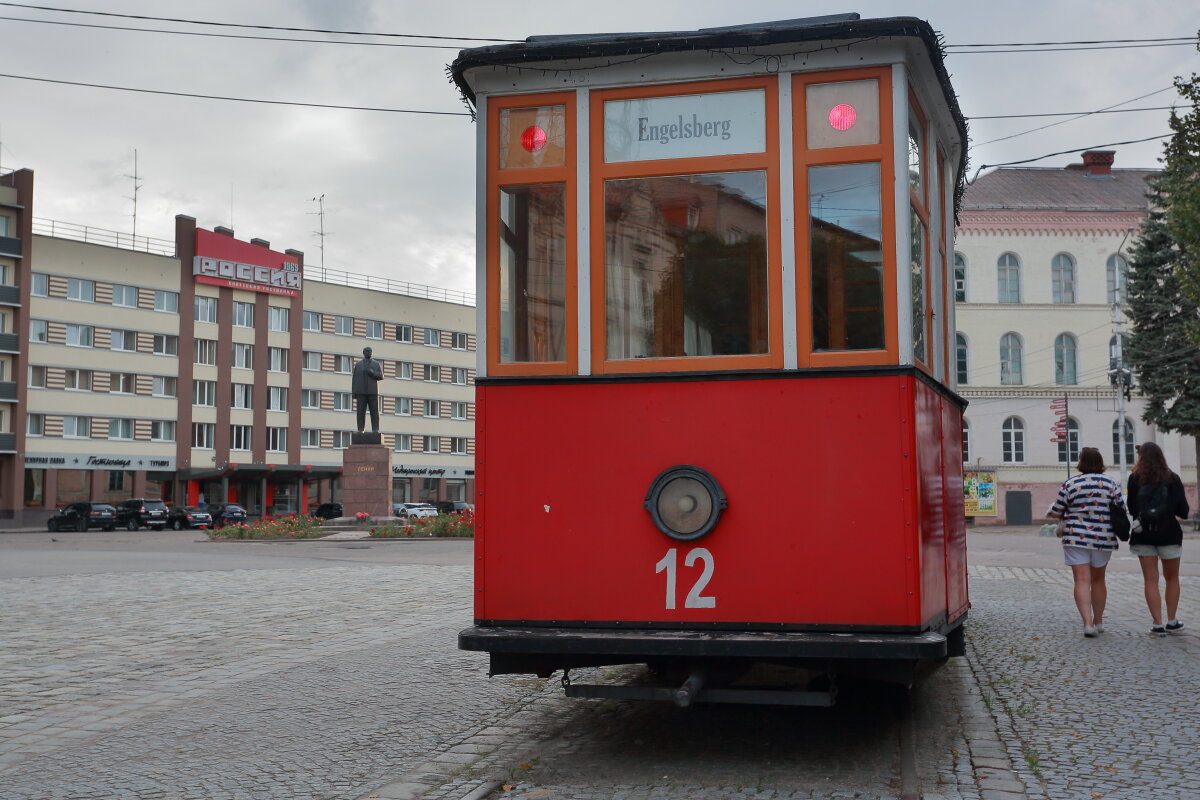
(766, 161)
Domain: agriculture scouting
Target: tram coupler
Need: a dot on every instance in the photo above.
(686, 694)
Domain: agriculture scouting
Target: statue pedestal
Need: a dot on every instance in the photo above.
(367, 480)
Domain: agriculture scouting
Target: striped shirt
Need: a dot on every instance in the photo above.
(1083, 502)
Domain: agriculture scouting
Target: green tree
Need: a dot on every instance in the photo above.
(1181, 186)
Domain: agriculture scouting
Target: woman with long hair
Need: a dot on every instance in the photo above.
(1156, 498)
(1087, 536)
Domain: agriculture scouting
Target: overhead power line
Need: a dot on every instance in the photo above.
(982, 167)
(1080, 41)
(1080, 113)
(1065, 121)
(237, 99)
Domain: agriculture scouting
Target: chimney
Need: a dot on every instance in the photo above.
(221, 229)
(1099, 162)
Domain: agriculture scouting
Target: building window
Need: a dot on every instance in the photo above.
(120, 429)
(116, 480)
(458, 410)
(404, 406)
(404, 333)
(82, 290)
(37, 377)
(162, 430)
(165, 345)
(431, 408)
(432, 337)
(277, 359)
(243, 355)
(343, 326)
(76, 427)
(41, 285)
(966, 441)
(277, 318)
(960, 278)
(310, 437)
(433, 373)
(166, 301)
(404, 370)
(164, 386)
(204, 393)
(1008, 279)
(202, 435)
(312, 321)
(1068, 449)
(79, 380)
(122, 383)
(460, 376)
(124, 296)
(1117, 271)
(960, 358)
(242, 395)
(205, 352)
(277, 440)
(341, 401)
(79, 335)
(459, 341)
(374, 329)
(341, 440)
(35, 424)
(310, 398)
(433, 444)
(343, 364)
(1013, 441)
(1116, 442)
(1064, 360)
(277, 398)
(239, 437)
(243, 314)
(403, 443)
(312, 361)
(1010, 360)
(458, 445)
(1062, 278)
(204, 309)
(39, 330)
(122, 341)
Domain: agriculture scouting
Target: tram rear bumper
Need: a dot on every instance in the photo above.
(610, 645)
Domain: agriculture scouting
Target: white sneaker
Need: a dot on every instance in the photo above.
(1099, 627)
(1090, 631)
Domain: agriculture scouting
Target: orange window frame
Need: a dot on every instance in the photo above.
(920, 202)
(497, 179)
(766, 161)
(882, 153)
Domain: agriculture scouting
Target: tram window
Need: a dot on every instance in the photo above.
(533, 271)
(918, 287)
(533, 137)
(845, 230)
(842, 114)
(915, 167)
(679, 280)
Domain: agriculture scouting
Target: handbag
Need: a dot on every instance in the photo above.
(1119, 520)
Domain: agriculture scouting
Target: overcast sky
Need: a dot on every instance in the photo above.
(399, 188)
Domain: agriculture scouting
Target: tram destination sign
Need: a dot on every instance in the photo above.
(685, 126)
(224, 261)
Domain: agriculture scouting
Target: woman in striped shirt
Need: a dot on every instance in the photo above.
(1087, 535)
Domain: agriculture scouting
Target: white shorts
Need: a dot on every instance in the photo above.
(1074, 555)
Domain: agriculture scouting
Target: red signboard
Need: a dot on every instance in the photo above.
(225, 261)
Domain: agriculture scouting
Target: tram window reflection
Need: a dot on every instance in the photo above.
(533, 269)
(686, 265)
(845, 232)
(917, 242)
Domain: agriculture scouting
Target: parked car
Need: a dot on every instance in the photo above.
(180, 517)
(81, 516)
(454, 507)
(414, 510)
(328, 511)
(141, 512)
(226, 514)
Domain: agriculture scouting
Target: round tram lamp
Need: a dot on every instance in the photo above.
(685, 502)
(533, 139)
(842, 117)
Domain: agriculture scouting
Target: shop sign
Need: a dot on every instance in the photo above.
(979, 493)
(94, 461)
(223, 261)
(685, 126)
(413, 471)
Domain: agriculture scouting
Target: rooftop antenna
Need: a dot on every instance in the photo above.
(320, 212)
(136, 186)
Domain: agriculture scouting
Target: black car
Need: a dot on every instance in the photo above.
(454, 507)
(81, 516)
(329, 511)
(226, 514)
(142, 513)
(180, 517)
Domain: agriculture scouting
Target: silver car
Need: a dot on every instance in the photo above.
(414, 510)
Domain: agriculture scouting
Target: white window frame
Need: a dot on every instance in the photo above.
(204, 309)
(40, 285)
(433, 334)
(310, 438)
(203, 435)
(118, 379)
(165, 386)
(241, 395)
(432, 444)
(162, 430)
(459, 376)
(310, 399)
(277, 398)
(241, 437)
(166, 344)
(278, 318)
(458, 410)
(343, 401)
(124, 295)
(166, 301)
(35, 424)
(77, 421)
(121, 429)
(343, 325)
(374, 329)
(204, 352)
(459, 341)
(433, 373)
(204, 393)
(312, 321)
(343, 365)
(243, 314)
(458, 445)
(81, 290)
(79, 333)
(403, 443)
(39, 331)
(312, 361)
(404, 333)
(277, 359)
(432, 409)
(404, 370)
(403, 406)
(341, 440)
(277, 440)
(73, 378)
(243, 355)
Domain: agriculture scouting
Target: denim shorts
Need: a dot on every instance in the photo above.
(1073, 555)
(1164, 551)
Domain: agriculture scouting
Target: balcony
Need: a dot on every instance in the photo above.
(8, 443)
(10, 295)
(8, 390)
(9, 343)
(10, 246)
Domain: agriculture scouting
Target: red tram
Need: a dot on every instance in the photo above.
(717, 430)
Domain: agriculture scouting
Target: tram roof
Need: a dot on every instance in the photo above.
(806, 29)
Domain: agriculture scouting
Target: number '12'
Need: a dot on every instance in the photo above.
(694, 599)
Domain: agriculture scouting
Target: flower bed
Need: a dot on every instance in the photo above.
(443, 525)
(290, 526)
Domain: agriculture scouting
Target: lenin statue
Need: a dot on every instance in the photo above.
(365, 387)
